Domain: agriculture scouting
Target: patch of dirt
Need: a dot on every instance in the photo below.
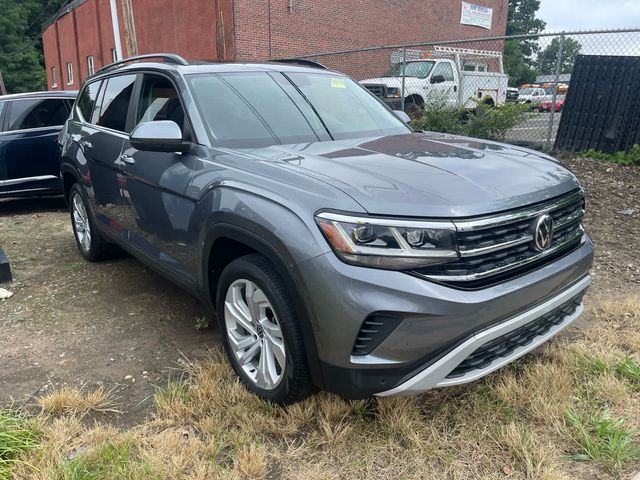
(613, 221)
(115, 324)
(120, 325)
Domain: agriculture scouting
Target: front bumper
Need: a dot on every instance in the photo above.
(438, 374)
(437, 321)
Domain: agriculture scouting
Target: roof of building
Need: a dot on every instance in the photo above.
(59, 93)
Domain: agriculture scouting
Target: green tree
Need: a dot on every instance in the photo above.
(547, 59)
(518, 54)
(21, 58)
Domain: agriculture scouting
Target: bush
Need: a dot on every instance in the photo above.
(632, 157)
(484, 121)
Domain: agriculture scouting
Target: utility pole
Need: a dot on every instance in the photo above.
(116, 29)
(3, 89)
(129, 28)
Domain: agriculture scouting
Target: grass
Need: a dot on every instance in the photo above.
(78, 401)
(570, 410)
(17, 437)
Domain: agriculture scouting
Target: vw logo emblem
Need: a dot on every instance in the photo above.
(543, 232)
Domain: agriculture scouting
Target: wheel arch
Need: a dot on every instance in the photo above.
(226, 241)
(69, 176)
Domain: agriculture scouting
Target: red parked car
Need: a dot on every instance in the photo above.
(545, 105)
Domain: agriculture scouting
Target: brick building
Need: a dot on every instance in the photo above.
(88, 34)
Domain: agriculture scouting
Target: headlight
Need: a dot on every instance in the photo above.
(393, 92)
(388, 243)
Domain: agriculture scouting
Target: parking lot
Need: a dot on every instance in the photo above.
(534, 129)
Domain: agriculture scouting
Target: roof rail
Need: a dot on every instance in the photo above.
(301, 61)
(168, 57)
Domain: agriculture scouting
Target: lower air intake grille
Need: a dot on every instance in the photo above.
(373, 331)
(505, 345)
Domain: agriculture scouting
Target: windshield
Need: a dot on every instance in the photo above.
(259, 109)
(411, 69)
(526, 91)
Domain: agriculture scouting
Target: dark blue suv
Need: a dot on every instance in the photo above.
(29, 152)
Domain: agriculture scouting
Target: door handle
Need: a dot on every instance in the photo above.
(127, 159)
(86, 145)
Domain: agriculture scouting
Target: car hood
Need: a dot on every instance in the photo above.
(387, 81)
(427, 174)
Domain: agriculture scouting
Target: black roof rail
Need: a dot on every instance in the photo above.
(301, 61)
(168, 57)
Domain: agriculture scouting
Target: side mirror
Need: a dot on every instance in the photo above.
(437, 79)
(158, 136)
(402, 116)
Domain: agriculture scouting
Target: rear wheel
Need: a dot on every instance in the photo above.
(261, 334)
(90, 243)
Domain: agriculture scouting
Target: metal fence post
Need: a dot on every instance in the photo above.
(404, 66)
(555, 90)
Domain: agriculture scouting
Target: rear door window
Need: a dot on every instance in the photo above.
(115, 103)
(87, 101)
(38, 113)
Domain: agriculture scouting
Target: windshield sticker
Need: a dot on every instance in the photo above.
(338, 83)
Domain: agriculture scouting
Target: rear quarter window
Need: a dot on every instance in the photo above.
(87, 101)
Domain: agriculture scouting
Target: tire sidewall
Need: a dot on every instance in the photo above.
(242, 269)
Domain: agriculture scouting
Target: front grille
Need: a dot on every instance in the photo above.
(378, 90)
(499, 247)
(505, 345)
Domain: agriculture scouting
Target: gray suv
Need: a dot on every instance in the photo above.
(340, 248)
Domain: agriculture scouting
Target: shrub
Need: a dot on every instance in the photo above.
(484, 121)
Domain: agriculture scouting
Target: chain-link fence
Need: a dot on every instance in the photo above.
(532, 71)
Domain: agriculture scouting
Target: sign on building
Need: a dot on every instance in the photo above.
(476, 15)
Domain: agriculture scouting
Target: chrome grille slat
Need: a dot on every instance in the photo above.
(491, 247)
(489, 273)
(525, 214)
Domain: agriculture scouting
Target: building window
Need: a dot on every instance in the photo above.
(54, 77)
(69, 74)
(90, 66)
(114, 55)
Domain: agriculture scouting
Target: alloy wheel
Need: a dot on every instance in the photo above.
(254, 334)
(81, 224)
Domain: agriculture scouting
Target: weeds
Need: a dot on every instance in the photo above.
(632, 157)
(603, 439)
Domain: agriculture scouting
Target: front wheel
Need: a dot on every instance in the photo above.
(261, 334)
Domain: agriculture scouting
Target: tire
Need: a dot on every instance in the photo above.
(89, 241)
(260, 330)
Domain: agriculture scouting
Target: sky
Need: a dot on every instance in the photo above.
(589, 14)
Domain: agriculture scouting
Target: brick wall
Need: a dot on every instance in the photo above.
(270, 28)
(196, 29)
(256, 30)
